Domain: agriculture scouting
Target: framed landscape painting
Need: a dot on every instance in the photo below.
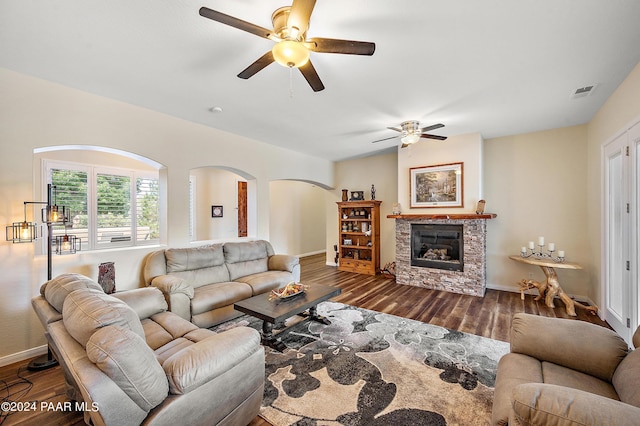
(437, 186)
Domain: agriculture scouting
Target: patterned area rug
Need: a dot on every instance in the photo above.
(374, 369)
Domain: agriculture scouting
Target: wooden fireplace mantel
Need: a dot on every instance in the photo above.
(443, 216)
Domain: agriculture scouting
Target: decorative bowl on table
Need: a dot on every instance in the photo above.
(290, 290)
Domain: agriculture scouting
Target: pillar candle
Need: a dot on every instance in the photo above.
(523, 249)
(552, 247)
(531, 245)
(540, 241)
(560, 253)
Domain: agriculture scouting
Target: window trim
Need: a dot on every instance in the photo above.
(93, 170)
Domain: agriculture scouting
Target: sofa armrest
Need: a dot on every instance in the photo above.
(543, 404)
(207, 359)
(582, 346)
(177, 292)
(285, 262)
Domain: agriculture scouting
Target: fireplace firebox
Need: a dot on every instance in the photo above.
(437, 246)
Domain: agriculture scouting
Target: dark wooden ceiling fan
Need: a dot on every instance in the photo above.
(290, 25)
(411, 132)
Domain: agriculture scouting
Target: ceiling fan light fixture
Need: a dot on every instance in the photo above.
(290, 53)
(410, 138)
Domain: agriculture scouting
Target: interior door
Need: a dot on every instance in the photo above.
(617, 236)
(242, 209)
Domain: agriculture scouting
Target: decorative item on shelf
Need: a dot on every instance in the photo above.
(540, 254)
(357, 196)
(365, 227)
(356, 254)
(345, 195)
(355, 227)
(373, 192)
(480, 206)
(216, 211)
(344, 227)
(107, 277)
(350, 227)
(347, 242)
(396, 209)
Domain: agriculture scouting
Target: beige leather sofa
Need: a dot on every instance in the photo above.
(567, 372)
(201, 284)
(130, 361)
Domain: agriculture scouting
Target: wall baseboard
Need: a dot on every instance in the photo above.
(312, 253)
(21, 356)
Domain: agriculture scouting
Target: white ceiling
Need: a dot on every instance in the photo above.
(498, 67)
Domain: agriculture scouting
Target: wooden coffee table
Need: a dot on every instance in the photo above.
(274, 310)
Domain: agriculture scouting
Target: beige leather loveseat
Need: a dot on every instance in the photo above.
(130, 361)
(201, 284)
(567, 372)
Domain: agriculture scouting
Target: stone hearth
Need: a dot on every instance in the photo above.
(471, 280)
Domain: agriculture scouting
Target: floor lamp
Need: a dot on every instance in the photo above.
(24, 232)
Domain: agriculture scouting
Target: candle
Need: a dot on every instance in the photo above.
(552, 247)
(523, 249)
(540, 241)
(531, 246)
(560, 253)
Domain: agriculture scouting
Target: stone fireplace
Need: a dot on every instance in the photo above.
(461, 236)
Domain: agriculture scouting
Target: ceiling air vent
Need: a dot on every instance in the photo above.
(581, 92)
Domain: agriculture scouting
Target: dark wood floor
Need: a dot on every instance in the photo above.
(488, 316)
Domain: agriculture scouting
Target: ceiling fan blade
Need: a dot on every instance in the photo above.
(440, 138)
(300, 14)
(432, 127)
(258, 65)
(385, 139)
(347, 47)
(312, 77)
(404, 145)
(397, 129)
(235, 22)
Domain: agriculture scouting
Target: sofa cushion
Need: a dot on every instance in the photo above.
(542, 404)
(263, 282)
(209, 297)
(246, 258)
(627, 379)
(562, 376)
(125, 357)
(209, 358)
(198, 266)
(57, 289)
(85, 311)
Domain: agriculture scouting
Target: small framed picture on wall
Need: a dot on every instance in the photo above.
(216, 211)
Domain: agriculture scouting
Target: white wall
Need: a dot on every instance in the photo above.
(36, 113)
(297, 217)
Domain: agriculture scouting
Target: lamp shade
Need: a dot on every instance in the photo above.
(67, 244)
(410, 138)
(290, 53)
(22, 232)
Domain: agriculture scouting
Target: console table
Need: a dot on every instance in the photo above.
(551, 287)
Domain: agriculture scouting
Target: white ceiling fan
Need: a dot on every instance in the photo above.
(411, 132)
